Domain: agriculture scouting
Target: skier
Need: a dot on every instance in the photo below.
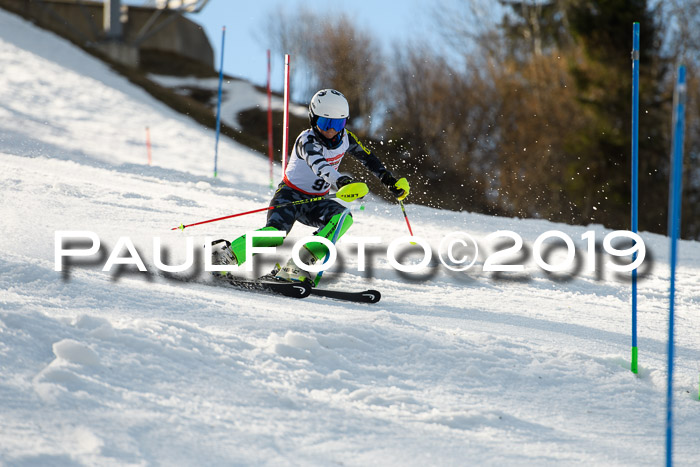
(311, 172)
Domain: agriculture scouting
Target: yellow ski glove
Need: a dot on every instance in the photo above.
(401, 189)
(398, 188)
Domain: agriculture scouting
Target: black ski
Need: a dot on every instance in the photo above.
(299, 289)
(288, 289)
(366, 296)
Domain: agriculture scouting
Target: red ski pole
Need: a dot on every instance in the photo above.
(403, 209)
(349, 193)
(268, 208)
(406, 217)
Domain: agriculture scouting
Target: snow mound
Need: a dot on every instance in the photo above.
(129, 368)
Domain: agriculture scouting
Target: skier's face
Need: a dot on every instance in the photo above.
(329, 133)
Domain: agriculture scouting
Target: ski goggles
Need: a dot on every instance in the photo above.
(325, 124)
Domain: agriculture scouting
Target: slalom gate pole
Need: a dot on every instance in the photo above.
(635, 183)
(269, 120)
(218, 104)
(148, 144)
(285, 125)
(268, 208)
(674, 227)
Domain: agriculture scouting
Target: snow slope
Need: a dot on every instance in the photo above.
(236, 96)
(127, 368)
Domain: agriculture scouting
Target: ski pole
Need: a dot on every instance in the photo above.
(348, 193)
(406, 217)
(403, 209)
(268, 208)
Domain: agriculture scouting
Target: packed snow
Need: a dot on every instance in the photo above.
(236, 96)
(449, 368)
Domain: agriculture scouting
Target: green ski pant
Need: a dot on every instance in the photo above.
(318, 250)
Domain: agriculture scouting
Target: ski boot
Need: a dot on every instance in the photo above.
(221, 254)
(293, 273)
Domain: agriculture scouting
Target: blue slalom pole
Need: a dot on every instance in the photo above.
(674, 228)
(218, 104)
(635, 182)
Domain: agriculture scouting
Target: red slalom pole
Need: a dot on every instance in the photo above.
(148, 144)
(269, 119)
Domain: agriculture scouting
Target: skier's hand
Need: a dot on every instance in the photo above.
(398, 188)
(343, 180)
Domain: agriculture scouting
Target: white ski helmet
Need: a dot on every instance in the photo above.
(331, 107)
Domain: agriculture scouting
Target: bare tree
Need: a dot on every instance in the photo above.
(441, 119)
(290, 32)
(684, 44)
(331, 52)
(348, 60)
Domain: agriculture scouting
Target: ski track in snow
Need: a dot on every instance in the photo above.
(135, 369)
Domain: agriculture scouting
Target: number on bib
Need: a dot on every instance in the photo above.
(320, 185)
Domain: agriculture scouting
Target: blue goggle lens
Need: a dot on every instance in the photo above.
(325, 124)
